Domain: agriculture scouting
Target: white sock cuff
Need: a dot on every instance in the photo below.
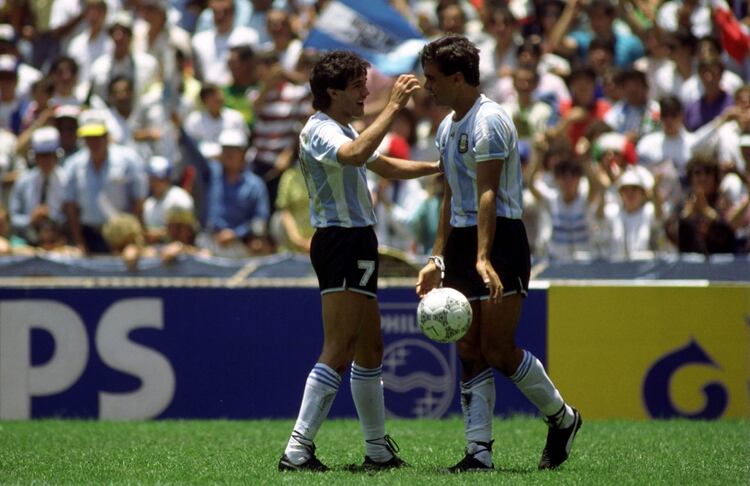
(523, 368)
(480, 379)
(360, 373)
(326, 376)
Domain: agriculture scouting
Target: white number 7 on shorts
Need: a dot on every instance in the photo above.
(368, 266)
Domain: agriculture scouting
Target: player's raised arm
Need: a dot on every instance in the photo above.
(359, 150)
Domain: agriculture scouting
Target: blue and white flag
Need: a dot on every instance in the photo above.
(372, 29)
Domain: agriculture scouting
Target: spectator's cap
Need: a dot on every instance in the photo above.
(7, 33)
(181, 215)
(631, 177)
(159, 167)
(241, 38)
(45, 140)
(91, 123)
(745, 140)
(8, 63)
(67, 111)
(233, 137)
(210, 150)
(124, 19)
(615, 142)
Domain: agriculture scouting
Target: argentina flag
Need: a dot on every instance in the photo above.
(372, 29)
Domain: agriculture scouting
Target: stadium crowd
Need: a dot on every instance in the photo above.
(164, 127)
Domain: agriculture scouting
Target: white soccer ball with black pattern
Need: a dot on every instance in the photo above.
(444, 315)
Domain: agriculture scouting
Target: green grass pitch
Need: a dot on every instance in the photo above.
(606, 452)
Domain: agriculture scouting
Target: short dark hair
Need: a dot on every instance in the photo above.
(567, 166)
(334, 70)
(583, 71)
(670, 105)
(632, 75)
(207, 90)
(453, 54)
(602, 43)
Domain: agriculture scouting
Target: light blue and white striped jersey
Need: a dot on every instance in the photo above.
(485, 133)
(338, 193)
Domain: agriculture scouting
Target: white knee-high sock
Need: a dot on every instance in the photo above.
(320, 390)
(534, 383)
(367, 392)
(478, 407)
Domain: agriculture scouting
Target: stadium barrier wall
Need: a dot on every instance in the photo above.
(215, 352)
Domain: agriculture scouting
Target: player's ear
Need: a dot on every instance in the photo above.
(333, 93)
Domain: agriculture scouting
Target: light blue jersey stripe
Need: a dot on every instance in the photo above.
(485, 133)
(338, 193)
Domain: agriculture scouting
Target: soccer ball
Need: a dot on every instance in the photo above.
(444, 315)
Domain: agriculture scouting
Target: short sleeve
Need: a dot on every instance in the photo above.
(493, 138)
(325, 143)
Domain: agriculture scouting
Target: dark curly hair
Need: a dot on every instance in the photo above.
(334, 70)
(453, 54)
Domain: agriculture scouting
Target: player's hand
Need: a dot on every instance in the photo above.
(428, 279)
(491, 280)
(405, 85)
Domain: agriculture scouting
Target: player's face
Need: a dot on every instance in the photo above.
(438, 84)
(350, 101)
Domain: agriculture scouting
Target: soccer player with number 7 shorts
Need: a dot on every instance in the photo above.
(482, 250)
(344, 253)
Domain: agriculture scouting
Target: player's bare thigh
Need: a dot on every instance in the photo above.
(343, 313)
(498, 325)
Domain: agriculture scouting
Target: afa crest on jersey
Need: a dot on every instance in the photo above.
(463, 143)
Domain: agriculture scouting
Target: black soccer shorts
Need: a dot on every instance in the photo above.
(510, 257)
(346, 259)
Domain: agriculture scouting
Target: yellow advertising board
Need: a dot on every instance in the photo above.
(651, 351)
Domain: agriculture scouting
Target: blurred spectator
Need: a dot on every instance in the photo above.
(291, 221)
(423, 222)
(240, 94)
(66, 122)
(714, 99)
(701, 225)
(156, 35)
(103, 180)
(123, 234)
(601, 15)
(93, 41)
(37, 195)
(633, 221)
(27, 75)
(9, 242)
(731, 132)
(634, 115)
(499, 50)
(206, 125)
(140, 67)
(211, 46)
(11, 105)
(284, 42)
(182, 229)
(163, 198)
(583, 109)
(529, 115)
(65, 88)
(692, 15)
(237, 202)
(281, 108)
(570, 210)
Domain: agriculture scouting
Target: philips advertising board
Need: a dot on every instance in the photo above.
(135, 353)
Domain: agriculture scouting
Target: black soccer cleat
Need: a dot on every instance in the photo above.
(559, 443)
(470, 463)
(312, 464)
(394, 462)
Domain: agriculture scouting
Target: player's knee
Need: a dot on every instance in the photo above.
(501, 358)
